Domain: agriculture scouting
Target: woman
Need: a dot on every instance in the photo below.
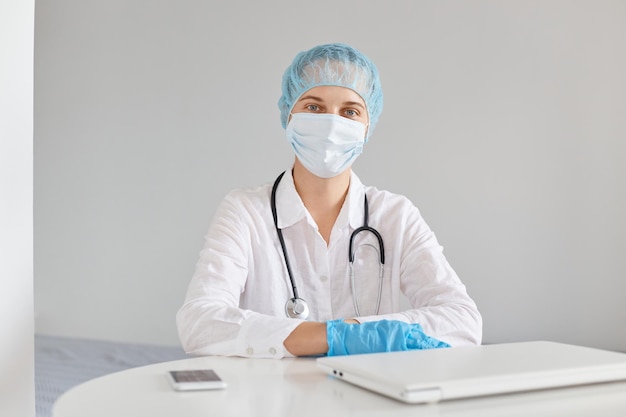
(271, 247)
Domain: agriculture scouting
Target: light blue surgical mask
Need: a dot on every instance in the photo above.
(326, 144)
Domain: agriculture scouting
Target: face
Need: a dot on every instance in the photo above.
(340, 101)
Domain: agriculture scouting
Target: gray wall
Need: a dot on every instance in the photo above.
(504, 123)
(17, 387)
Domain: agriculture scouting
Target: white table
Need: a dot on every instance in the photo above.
(297, 388)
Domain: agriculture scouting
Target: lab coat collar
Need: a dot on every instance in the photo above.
(291, 209)
(353, 206)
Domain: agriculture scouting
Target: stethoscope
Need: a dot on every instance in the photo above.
(296, 307)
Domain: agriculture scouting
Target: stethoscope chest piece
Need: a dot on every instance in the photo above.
(297, 308)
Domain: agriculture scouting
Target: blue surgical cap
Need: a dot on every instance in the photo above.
(334, 64)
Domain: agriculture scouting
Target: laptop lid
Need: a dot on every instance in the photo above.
(422, 376)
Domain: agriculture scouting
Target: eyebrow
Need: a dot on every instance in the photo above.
(349, 103)
(310, 98)
(354, 103)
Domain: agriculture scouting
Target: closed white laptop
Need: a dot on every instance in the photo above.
(421, 376)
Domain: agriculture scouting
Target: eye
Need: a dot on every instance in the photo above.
(352, 113)
(312, 108)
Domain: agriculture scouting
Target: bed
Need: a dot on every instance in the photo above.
(62, 363)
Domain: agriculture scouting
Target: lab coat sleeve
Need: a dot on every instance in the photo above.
(439, 300)
(210, 321)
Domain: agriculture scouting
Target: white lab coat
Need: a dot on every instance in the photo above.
(235, 302)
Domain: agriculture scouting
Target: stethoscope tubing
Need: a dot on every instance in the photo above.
(297, 307)
(280, 235)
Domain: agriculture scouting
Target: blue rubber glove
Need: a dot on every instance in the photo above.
(377, 336)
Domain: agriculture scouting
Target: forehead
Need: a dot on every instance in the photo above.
(332, 93)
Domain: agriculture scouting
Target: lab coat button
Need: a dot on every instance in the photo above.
(249, 351)
(272, 351)
(323, 278)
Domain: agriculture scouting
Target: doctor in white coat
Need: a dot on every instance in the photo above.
(316, 262)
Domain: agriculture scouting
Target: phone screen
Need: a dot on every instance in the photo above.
(196, 379)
